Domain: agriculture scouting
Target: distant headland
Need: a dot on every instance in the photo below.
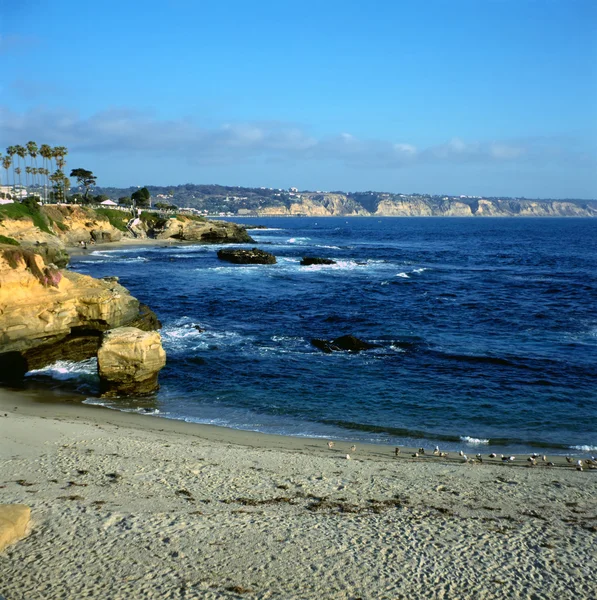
(262, 201)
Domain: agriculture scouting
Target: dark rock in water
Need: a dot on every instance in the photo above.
(147, 320)
(247, 257)
(347, 343)
(313, 260)
(198, 328)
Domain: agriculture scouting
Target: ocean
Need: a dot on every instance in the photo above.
(486, 332)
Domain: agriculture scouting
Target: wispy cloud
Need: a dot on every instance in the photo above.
(130, 131)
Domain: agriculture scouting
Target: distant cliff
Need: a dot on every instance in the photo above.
(241, 201)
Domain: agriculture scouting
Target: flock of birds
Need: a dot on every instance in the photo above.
(532, 461)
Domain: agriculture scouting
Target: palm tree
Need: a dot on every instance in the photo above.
(21, 153)
(17, 170)
(7, 163)
(59, 153)
(46, 154)
(27, 173)
(33, 151)
(11, 151)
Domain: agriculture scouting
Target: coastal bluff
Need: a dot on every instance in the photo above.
(49, 314)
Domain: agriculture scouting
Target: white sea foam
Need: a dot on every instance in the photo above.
(64, 370)
(584, 448)
(420, 270)
(298, 240)
(473, 441)
(403, 275)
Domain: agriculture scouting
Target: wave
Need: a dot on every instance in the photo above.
(114, 260)
(403, 275)
(298, 240)
(64, 370)
(473, 441)
(584, 448)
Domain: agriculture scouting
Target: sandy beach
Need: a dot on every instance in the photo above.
(132, 506)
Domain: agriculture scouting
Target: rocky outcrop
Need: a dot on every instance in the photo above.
(196, 229)
(347, 343)
(247, 257)
(47, 313)
(313, 260)
(14, 522)
(129, 361)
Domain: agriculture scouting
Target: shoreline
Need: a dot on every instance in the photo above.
(126, 506)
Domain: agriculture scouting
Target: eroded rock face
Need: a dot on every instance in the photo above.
(212, 232)
(313, 260)
(48, 314)
(129, 361)
(247, 257)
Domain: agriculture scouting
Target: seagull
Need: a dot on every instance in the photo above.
(550, 464)
(443, 454)
(534, 455)
(353, 448)
(396, 451)
(421, 450)
(348, 457)
(544, 458)
(436, 451)
(461, 453)
(415, 455)
(492, 455)
(330, 445)
(464, 458)
(508, 458)
(568, 459)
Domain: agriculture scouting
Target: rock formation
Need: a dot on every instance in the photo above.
(313, 260)
(347, 343)
(48, 314)
(246, 257)
(197, 229)
(129, 361)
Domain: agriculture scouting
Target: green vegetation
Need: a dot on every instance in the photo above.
(86, 179)
(8, 240)
(117, 218)
(141, 197)
(28, 209)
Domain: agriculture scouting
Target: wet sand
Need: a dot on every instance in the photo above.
(132, 506)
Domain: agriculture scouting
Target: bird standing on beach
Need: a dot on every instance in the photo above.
(353, 448)
(436, 451)
(396, 451)
(330, 445)
(348, 457)
(493, 455)
(568, 459)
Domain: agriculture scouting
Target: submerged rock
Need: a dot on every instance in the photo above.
(313, 260)
(247, 257)
(347, 343)
(129, 361)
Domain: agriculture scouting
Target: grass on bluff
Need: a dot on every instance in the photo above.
(117, 218)
(8, 240)
(25, 210)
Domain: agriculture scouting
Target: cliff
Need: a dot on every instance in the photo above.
(50, 229)
(48, 314)
(388, 205)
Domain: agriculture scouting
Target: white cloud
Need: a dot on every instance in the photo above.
(122, 130)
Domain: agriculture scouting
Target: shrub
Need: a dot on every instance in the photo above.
(117, 218)
(8, 240)
(28, 209)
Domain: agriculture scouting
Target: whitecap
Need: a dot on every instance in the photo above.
(584, 448)
(403, 275)
(64, 370)
(298, 240)
(473, 441)
(420, 270)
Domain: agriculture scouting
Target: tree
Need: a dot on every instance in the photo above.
(11, 151)
(141, 198)
(46, 154)
(85, 178)
(125, 201)
(33, 151)
(6, 163)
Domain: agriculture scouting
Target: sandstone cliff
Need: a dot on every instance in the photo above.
(48, 314)
(393, 205)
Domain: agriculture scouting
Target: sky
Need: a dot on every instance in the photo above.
(477, 97)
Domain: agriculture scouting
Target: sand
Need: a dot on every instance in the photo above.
(131, 506)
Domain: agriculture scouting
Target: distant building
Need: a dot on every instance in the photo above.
(293, 189)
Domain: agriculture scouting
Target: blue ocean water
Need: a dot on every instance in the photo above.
(487, 331)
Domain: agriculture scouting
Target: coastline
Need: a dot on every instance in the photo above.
(143, 507)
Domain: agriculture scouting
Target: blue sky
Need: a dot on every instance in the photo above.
(489, 97)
